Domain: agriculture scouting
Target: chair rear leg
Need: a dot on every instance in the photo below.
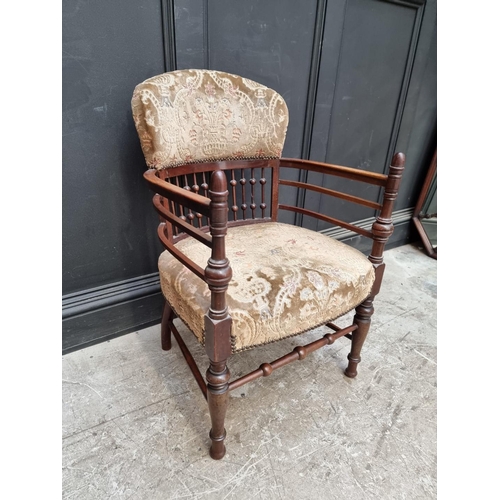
(362, 318)
(218, 397)
(166, 334)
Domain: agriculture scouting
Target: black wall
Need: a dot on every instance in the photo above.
(359, 78)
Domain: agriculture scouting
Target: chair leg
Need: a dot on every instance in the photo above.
(218, 397)
(362, 318)
(166, 334)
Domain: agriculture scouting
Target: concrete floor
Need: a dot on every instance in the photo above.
(135, 424)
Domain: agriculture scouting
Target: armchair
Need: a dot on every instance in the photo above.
(230, 271)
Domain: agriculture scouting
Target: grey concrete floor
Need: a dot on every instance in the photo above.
(135, 424)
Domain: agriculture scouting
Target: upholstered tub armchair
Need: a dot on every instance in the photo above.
(234, 275)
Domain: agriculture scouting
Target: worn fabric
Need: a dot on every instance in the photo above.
(286, 280)
(194, 115)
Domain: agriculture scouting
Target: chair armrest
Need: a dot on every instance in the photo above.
(181, 257)
(187, 199)
(218, 271)
(177, 194)
(337, 170)
(383, 227)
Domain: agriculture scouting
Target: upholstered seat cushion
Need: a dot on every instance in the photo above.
(286, 280)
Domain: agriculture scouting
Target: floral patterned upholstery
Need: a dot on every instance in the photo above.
(194, 115)
(286, 280)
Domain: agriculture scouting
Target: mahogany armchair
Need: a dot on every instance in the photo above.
(231, 272)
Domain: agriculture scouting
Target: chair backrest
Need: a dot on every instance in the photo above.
(199, 116)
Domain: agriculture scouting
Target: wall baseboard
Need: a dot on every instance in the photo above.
(98, 314)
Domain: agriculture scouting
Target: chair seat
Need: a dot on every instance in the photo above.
(286, 280)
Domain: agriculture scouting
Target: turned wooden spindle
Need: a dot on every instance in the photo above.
(175, 229)
(190, 216)
(252, 181)
(196, 189)
(234, 206)
(217, 320)
(263, 194)
(382, 229)
(244, 205)
(180, 207)
(204, 184)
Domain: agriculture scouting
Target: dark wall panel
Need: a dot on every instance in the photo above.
(108, 225)
(417, 135)
(373, 58)
(262, 41)
(190, 35)
(371, 65)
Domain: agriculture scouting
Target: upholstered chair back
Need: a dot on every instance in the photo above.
(200, 116)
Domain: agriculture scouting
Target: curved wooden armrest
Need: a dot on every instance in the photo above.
(338, 170)
(183, 225)
(177, 194)
(218, 271)
(181, 257)
(383, 227)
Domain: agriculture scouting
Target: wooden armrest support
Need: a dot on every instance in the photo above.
(183, 259)
(183, 225)
(326, 218)
(177, 194)
(331, 192)
(382, 228)
(337, 170)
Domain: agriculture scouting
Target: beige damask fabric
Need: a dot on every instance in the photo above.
(286, 280)
(194, 115)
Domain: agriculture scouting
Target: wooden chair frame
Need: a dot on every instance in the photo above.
(200, 210)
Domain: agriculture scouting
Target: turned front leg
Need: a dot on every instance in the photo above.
(217, 320)
(362, 318)
(381, 231)
(218, 397)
